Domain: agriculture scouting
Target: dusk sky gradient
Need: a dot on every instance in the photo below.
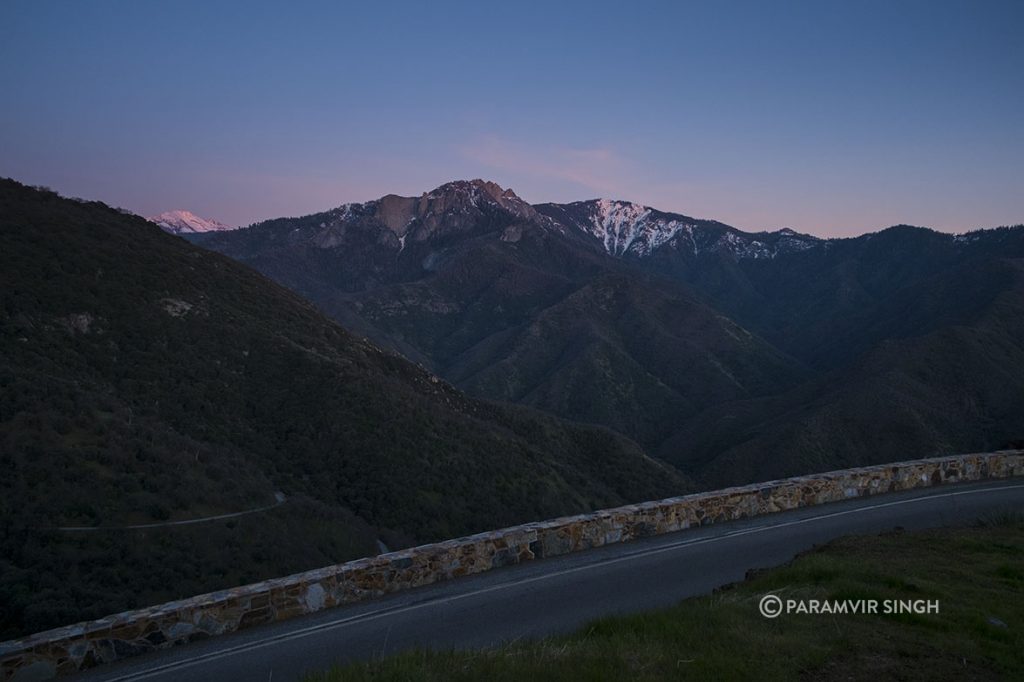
(833, 118)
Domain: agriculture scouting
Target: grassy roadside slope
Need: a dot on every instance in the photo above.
(977, 574)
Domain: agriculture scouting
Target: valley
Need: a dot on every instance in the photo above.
(709, 346)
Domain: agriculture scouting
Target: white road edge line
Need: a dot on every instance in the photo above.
(374, 615)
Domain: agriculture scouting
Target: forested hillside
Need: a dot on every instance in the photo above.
(146, 380)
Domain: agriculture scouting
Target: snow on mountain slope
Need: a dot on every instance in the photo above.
(186, 222)
(631, 230)
(627, 227)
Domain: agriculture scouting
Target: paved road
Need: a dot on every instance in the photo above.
(279, 499)
(557, 594)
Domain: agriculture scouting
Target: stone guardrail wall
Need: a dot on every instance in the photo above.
(77, 647)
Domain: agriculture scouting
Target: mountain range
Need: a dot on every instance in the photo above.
(732, 355)
(145, 380)
(488, 362)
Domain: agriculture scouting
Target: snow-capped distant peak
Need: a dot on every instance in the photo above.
(186, 222)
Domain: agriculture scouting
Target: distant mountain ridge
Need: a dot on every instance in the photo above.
(670, 328)
(632, 230)
(186, 222)
(623, 228)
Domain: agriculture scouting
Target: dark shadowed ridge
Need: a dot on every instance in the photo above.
(145, 379)
(736, 355)
(509, 304)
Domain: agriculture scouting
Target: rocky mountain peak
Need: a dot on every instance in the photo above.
(479, 194)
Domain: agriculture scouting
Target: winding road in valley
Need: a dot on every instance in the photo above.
(558, 594)
(279, 499)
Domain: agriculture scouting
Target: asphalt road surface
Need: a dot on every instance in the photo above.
(554, 595)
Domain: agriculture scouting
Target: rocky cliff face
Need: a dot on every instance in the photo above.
(455, 209)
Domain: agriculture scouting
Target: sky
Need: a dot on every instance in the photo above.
(832, 118)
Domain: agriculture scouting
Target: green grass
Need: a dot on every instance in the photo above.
(976, 573)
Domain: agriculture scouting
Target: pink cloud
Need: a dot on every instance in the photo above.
(598, 170)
